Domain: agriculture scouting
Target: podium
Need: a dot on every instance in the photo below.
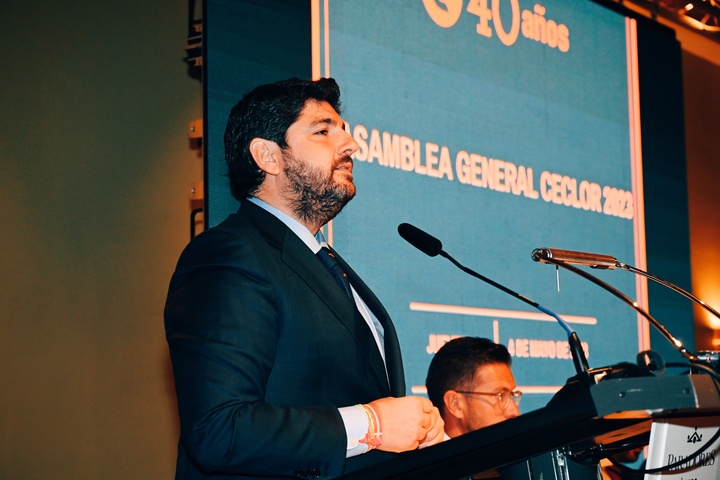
(585, 421)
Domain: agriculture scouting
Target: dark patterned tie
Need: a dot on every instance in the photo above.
(362, 329)
(331, 263)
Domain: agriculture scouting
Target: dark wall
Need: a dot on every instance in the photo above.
(273, 43)
(665, 184)
(96, 170)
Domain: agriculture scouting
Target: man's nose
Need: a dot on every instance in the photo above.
(348, 145)
(512, 410)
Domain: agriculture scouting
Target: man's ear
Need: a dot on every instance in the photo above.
(266, 154)
(454, 403)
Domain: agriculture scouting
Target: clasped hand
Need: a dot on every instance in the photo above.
(408, 423)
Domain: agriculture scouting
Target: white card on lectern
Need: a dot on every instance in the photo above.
(675, 439)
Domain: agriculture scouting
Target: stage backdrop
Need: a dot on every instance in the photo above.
(498, 127)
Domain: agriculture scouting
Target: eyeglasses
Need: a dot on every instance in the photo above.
(503, 396)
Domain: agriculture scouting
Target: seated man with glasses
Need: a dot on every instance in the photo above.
(470, 382)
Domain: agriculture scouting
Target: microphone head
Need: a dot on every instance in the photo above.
(540, 254)
(424, 242)
(594, 260)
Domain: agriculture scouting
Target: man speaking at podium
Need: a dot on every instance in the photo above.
(283, 368)
(470, 381)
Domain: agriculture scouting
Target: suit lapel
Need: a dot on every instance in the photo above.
(299, 258)
(317, 277)
(393, 358)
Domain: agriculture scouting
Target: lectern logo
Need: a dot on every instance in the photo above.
(695, 437)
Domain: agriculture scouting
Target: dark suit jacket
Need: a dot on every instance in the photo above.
(265, 347)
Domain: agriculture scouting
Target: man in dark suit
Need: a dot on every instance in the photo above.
(280, 372)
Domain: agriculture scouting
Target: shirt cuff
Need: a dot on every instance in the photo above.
(356, 427)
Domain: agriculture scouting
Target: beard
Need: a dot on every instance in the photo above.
(315, 196)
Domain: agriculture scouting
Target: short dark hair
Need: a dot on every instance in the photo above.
(453, 366)
(267, 112)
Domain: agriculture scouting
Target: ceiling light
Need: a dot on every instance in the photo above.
(701, 14)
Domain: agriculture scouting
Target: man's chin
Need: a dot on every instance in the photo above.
(343, 177)
(347, 187)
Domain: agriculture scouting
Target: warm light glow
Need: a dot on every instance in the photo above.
(709, 290)
(689, 7)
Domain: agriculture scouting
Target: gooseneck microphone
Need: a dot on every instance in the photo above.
(566, 257)
(594, 260)
(421, 240)
(432, 247)
(597, 260)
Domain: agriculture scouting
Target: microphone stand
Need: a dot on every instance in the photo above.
(537, 255)
(710, 357)
(432, 247)
(669, 285)
(544, 256)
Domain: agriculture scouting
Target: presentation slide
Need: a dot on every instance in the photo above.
(498, 127)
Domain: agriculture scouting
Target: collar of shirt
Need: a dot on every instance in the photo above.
(314, 242)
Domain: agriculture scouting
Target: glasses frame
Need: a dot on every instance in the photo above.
(503, 396)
